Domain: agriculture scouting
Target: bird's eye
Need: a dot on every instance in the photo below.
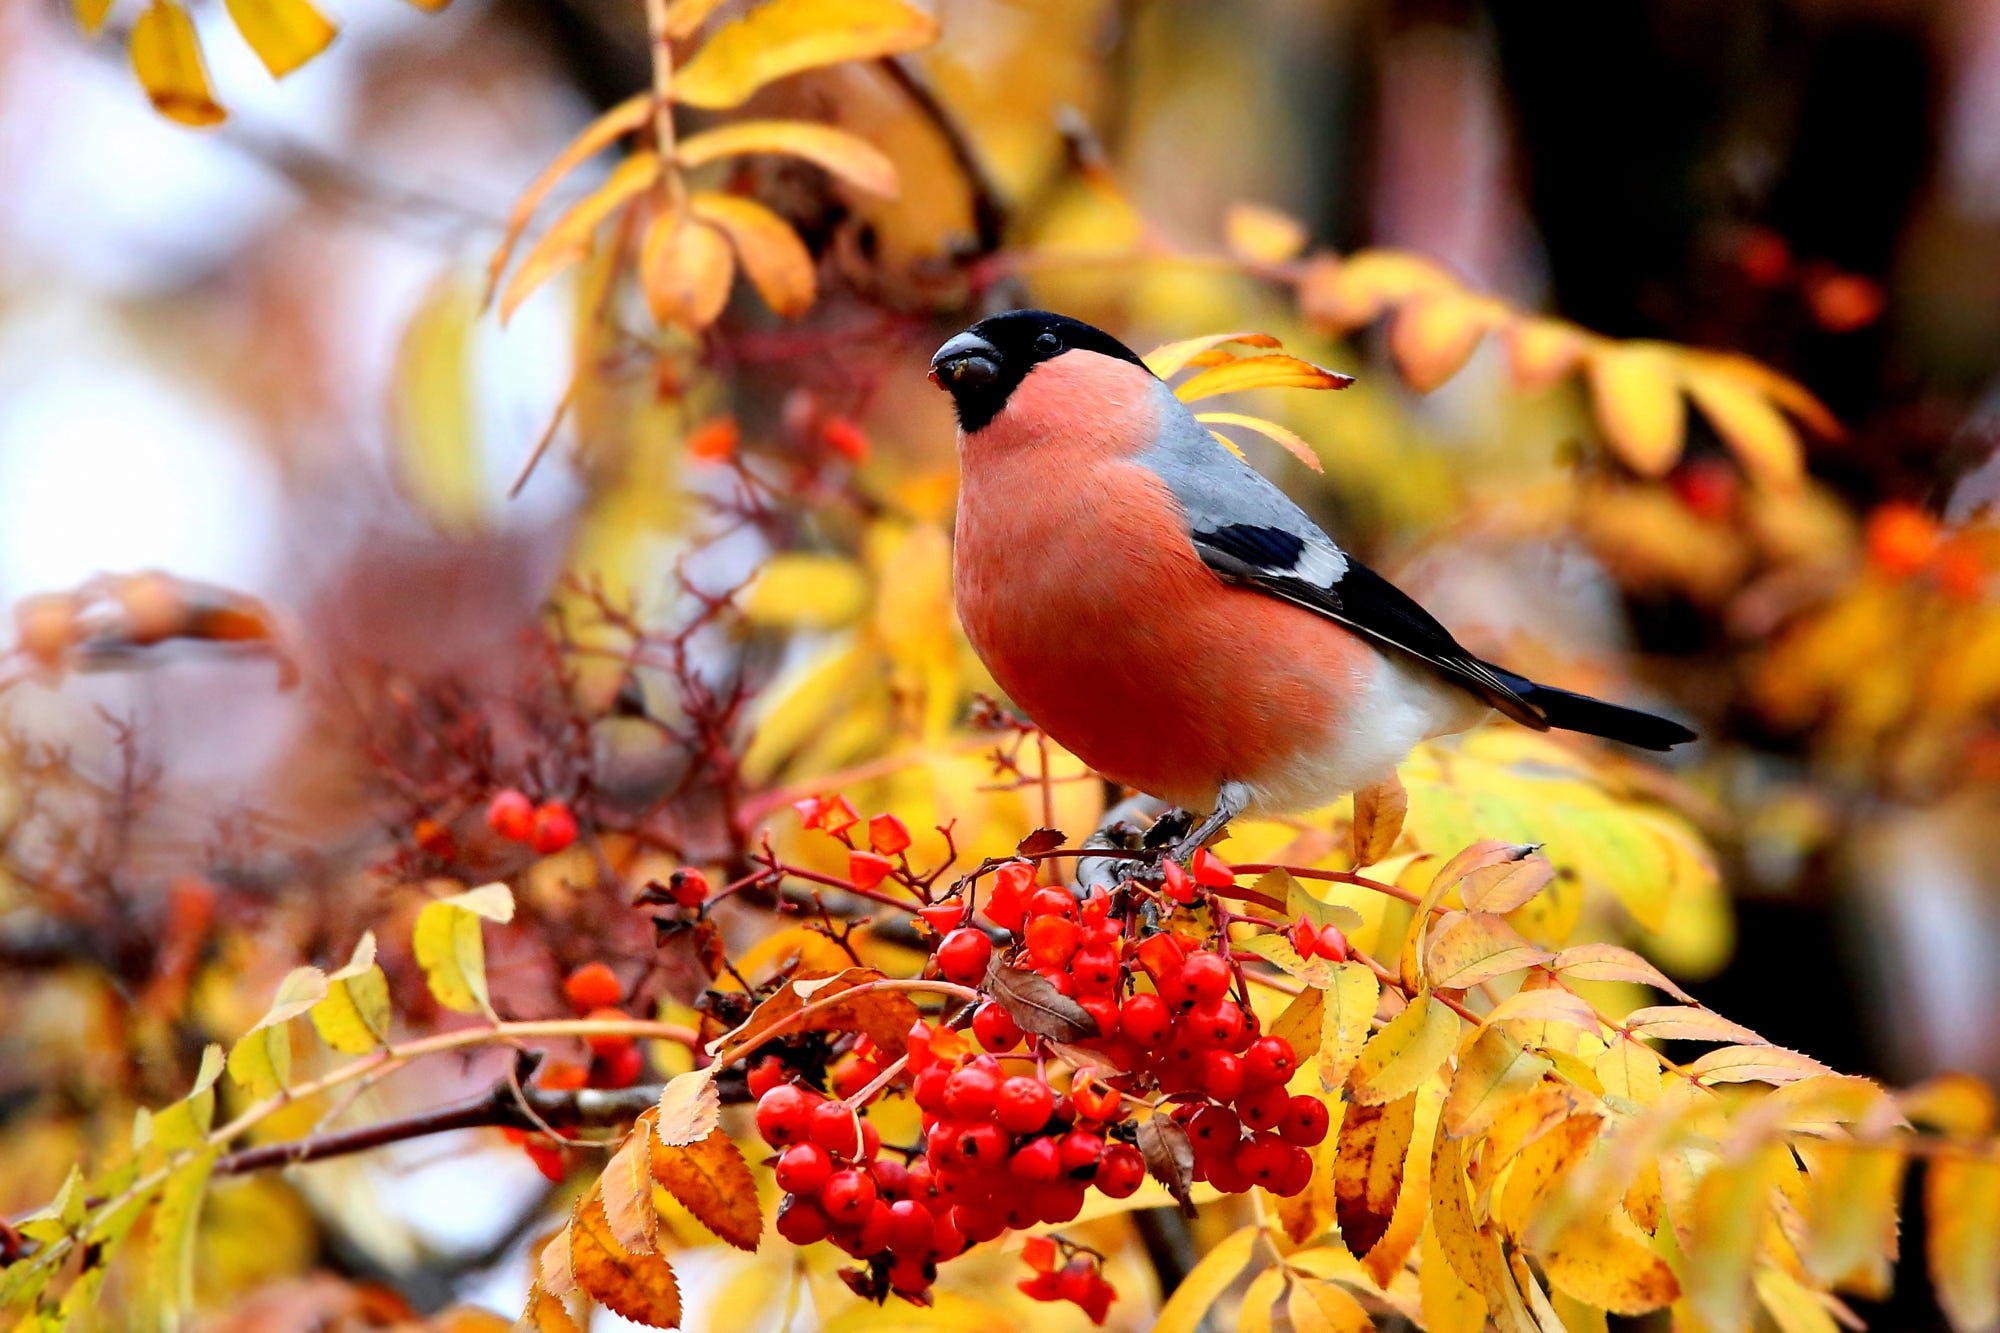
(1047, 344)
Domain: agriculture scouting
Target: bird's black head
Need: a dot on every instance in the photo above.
(982, 366)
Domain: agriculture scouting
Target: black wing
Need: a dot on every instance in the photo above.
(1281, 563)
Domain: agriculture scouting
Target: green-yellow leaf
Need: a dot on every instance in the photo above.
(803, 590)
(174, 1229)
(284, 33)
(835, 151)
(262, 1059)
(1347, 1012)
(1405, 1053)
(1852, 1210)
(354, 1016)
(186, 1123)
(451, 950)
(166, 55)
(784, 37)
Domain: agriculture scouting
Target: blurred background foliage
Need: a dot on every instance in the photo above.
(1677, 333)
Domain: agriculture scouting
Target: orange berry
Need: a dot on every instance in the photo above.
(845, 438)
(1901, 538)
(554, 828)
(1960, 572)
(593, 986)
(1846, 302)
(607, 1043)
(714, 440)
(563, 1076)
(511, 815)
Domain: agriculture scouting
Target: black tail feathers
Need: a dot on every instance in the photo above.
(1594, 717)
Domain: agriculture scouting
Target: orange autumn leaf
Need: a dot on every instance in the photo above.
(1368, 1169)
(784, 37)
(600, 134)
(686, 268)
(284, 33)
(713, 1182)
(640, 1287)
(835, 151)
(773, 257)
(1432, 337)
(166, 55)
(1636, 394)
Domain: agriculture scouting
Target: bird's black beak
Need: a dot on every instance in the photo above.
(968, 361)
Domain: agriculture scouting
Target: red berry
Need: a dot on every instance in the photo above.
(982, 1145)
(1058, 1201)
(548, 1159)
(833, 1127)
(1226, 1175)
(765, 1075)
(1052, 939)
(892, 1178)
(1051, 901)
(1306, 1121)
(1305, 942)
(1270, 1061)
(619, 1068)
(1214, 1128)
(1211, 871)
(802, 1222)
(1080, 1152)
(1215, 1023)
(876, 1228)
(911, 1230)
(918, 1181)
(1297, 1172)
(847, 1196)
(995, 1027)
(1095, 1101)
(1221, 1075)
(970, 1093)
(783, 1114)
(1144, 1018)
(845, 438)
(950, 1242)
(688, 886)
(607, 1043)
(944, 916)
(1121, 1171)
(1265, 1107)
(927, 1089)
(1180, 885)
(1103, 1011)
(803, 1168)
(1036, 1160)
(1095, 967)
(1263, 1158)
(1024, 1103)
(851, 1075)
(511, 815)
(963, 955)
(554, 828)
(1008, 901)
(887, 835)
(977, 1225)
(1206, 976)
(867, 869)
(1074, 1282)
(592, 986)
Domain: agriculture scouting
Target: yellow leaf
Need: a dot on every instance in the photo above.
(1612, 962)
(1962, 1241)
(436, 456)
(1793, 1308)
(1672, 1022)
(1205, 1282)
(1449, 1305)
(1471, 947)
(1349, 1009)
(90, 14)
(1637, 397)
(626, 1187)
(1263, 1294)
(1731, 1204)
(621, 120)
(1326, 1307)
(1539, 1165)
(1169, 358)
(569, 239)
(1955, 1104)
(1542, 351)
(1273, 371)
(449, 946)
(1463, 1243)
(262, 1059)
(186, 1123)
(641, 1287)
(1368, 1169)
(1378, 820)
(684, 16)
(1630, 1070)
(686, 268)
(1601, 1263)
(1755, 1064)
(1344, 294)
(166, 55)
(784, 37)
(1301, 1021)
(545, 1313)
(284, 33)
(1270, 430)
(797, 590)
(774, 258)
(1545, 1005)
(354, 1016)
(1263, 235)
(1755, 431)
(835, 151)
(1507, 886)
(690, 1108)
(1405, 1053)
(174, 1229)
(1852, 1213)
(712, 1181)
(1494, 1070)
(1432, 337)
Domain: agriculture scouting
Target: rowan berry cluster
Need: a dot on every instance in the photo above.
(1172, 1038)
(546, 828)
(594, 992)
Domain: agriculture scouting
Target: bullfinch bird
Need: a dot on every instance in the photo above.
(1163, 612)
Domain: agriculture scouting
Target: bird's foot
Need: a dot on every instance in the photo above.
(1230, 802)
